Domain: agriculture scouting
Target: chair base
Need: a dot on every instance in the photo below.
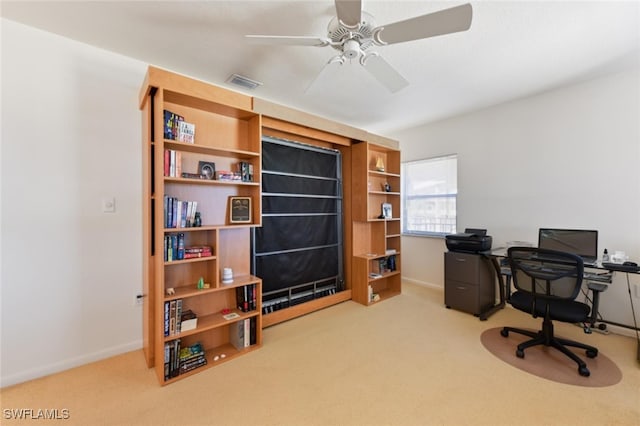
(547, 338)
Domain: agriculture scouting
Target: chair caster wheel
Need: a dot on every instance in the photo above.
(519, 353)
(584, 371)
(591, 354)
(504, 333)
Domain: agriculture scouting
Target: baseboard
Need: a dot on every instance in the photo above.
(45, 370)
(621, 331)
(423, 283)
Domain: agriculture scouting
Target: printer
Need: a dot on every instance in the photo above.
(472, 240)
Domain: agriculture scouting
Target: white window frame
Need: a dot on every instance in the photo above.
(436, 224)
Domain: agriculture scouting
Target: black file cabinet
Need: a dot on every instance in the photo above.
(469, 284)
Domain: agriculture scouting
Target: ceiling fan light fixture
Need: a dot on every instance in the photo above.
(242, 81)
(351, 49)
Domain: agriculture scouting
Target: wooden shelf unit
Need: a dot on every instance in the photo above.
(375, 238)
(226, 133)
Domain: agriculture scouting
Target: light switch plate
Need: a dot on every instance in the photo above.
(109, 205)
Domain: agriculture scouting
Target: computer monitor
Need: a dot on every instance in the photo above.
(582, 242)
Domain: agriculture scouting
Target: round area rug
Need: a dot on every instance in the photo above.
(550, 363)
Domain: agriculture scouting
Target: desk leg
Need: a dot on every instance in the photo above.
(596, 289)
(501, 290)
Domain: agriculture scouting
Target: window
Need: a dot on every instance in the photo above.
(429, 192)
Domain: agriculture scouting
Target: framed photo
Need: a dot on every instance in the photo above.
(386, 211)
(240, 209)
(207, 169)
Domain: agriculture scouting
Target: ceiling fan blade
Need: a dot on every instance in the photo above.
(434, 24)
(331, 63)
(349, 12)
(384, 72)
(288, 40)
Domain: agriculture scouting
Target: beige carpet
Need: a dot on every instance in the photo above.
(405, 361)
(549, 363)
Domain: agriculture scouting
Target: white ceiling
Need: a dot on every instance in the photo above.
(513, 49)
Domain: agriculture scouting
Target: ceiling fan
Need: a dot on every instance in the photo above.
(353, 32)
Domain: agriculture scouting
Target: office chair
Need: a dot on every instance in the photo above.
(547, 283)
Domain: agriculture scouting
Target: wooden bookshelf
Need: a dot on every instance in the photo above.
(376, 182)
(226, 132)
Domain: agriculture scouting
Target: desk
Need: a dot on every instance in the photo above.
(597, 282)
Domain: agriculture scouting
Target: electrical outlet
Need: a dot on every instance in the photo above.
(138, 300)
(636, 291)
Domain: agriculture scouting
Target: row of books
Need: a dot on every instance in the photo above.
(246, 297)
(242, 334)
(176, 129)
(179, 360)
(243, 174)
(175, 320)
(246, 171)
(179, 214)
(172, 163)
(387, 264)
(225, 175)
(175, 249)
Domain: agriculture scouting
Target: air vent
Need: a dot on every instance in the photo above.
(243, 81)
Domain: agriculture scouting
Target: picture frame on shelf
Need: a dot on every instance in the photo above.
(387, 211)
(207, 169)
(239, 209)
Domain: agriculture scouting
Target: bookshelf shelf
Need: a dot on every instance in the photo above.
(384, 193)
(230, 353)
(209, 150)
(211, 321)
(208, 181)
(384, 275)
(373, 172)
(193, 260)
(228, 137)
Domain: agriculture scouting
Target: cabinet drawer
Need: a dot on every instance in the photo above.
(461, 296)
(461, 267)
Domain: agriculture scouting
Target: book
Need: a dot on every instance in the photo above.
(181, 246)
(243, 298)
(236, 335)
(186, 132)
(178, 316)
(169, 118)
(172, 318)
(192, 365)
(188, 320)
(166, 318)
(197, 251)
(226, 175)
(247, 332)
(171, 359)
(230, 316)
(171, 124)
(167, 162)
(253, 323)
(193, 175)
(245, 170)
(190, 352)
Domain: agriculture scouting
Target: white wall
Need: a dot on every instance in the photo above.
(70, 136)
(567, 158)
